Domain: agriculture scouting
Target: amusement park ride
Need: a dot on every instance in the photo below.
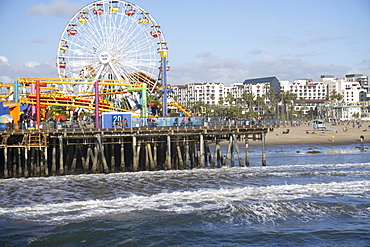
(111, 55)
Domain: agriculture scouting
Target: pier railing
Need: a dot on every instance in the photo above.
(150, 122)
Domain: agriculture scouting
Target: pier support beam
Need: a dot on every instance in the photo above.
(122, 163)
(73, 151)
(237, 151)
(201, 151)
(61, 158)
(19, 162)
(246, 151)
(134, 155)
(6, 172)
(168, 154)
(26, 171)
(46, 168)
(54, 161)
(187, 155)
(226, 161)
(263, 149)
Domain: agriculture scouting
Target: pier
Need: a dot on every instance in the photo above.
(55, 152)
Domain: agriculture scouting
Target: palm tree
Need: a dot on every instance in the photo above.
(334, 95)
(260, 100)
(249, 98)
(212, 97)
(288, 101)
(197, 106)
(334, 98)
(274, 99)
(221, 101)
(229, 98)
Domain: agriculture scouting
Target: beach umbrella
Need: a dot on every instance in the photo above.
(6, 119)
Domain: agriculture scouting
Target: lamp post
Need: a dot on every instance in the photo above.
(163, 52)
(96, 87)
(37, 104)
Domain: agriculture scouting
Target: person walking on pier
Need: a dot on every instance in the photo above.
(176, 123)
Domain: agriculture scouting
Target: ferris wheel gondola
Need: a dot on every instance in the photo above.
(113, 40)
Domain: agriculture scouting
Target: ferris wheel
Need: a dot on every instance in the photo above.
(114, 40)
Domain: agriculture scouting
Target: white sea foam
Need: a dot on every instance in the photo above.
(364, 167)
(190, 201)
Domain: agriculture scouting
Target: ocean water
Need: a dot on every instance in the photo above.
(298, 199)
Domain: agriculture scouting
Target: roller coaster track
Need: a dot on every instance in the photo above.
(62, 100)
(85, 100)
(76, 100)
(181, 108)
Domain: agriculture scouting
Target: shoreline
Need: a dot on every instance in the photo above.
(305, 134)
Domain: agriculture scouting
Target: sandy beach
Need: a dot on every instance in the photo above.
(305, 134)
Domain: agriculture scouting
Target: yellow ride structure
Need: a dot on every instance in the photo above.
(51, 94)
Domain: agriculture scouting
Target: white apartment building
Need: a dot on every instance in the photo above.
(305, 88)
(209, 92)
(362, 80)
(350, 87)
(353, 88)
(313, 93)
(347, 112)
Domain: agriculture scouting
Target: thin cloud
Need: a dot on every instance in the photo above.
(61, 8)
(225, 70)
(10, 72)
(323, 39)
(309, 54)
(39, 41)
(278, 40)
(3, 60)
(254, 52)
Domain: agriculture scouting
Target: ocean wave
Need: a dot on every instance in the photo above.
(73, 188)
(278, 198)
(275, 212)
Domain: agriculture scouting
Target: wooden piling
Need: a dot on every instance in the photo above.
(155, 157)
(228, 153)
(19, 162)
(187, 154)
(201, 151)
(179, 156)
(136, 149)
(61, 157)
(6, 172)
(46, 167)
(134, 155)
(54, 161)
(168, 154)
(112, 158)
(236, 145)
(247, 151)
(122, 163)
(26, 171)
(207, 154)
(263, 149)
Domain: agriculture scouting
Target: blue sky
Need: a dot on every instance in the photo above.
(209, 40)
